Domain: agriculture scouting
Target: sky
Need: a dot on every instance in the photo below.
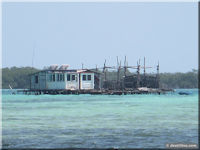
(41, 34)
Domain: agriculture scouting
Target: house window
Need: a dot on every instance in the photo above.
(36, 79)
(54, 77)
(58, 77)
(84, 77)
(68, 77)
(89, 77)
(61, 77)
(73, 77)
(50, 77)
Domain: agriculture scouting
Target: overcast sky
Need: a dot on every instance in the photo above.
(75, 33)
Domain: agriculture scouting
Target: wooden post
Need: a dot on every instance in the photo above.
(82, 65)
(104, 70)
(118, 72)
(157, 76)
(144, 80)
(125, 66)
(138, 74)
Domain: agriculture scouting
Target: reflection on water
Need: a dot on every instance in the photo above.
(99, 121)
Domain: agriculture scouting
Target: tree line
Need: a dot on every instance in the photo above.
(19, 78)
(180, 80)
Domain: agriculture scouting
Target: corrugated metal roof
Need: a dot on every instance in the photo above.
(70, 70)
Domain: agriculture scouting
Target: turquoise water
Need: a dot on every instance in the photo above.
(99, 121)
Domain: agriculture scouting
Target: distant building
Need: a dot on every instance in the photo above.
(62, 78)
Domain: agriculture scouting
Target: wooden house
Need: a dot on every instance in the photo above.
(64, 79)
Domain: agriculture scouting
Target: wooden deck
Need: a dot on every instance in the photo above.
(96, 92)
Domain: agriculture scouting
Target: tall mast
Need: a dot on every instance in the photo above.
(118, 70)
(158, 77)
(104, 70)
(125, 66)
(138, 74)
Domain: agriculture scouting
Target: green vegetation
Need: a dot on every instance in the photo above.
(179, 80)
(18, 78)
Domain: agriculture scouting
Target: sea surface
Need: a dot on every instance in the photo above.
(99, 121)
